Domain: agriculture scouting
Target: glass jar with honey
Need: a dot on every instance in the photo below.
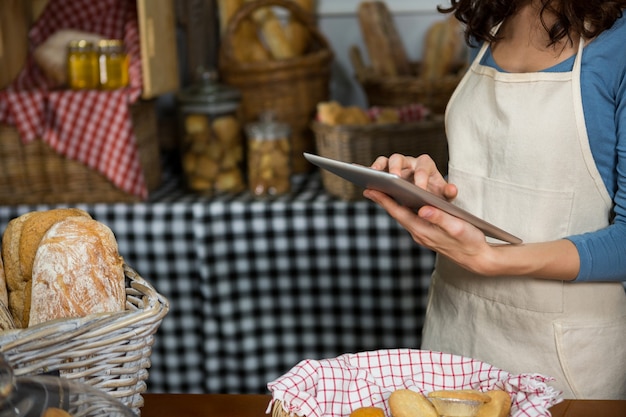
(112, 64)
(82, 65)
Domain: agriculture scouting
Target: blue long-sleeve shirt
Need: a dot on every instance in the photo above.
(603, 83)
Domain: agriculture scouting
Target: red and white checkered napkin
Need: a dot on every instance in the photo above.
(335, 387)
(92, 127)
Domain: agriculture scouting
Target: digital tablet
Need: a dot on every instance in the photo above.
(404, 192)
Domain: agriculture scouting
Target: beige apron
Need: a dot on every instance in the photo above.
(521, 160)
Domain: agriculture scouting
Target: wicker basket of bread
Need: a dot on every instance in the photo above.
(408, 382)
(281, 68)
(357, 135)
(392, 79)
(71, 306)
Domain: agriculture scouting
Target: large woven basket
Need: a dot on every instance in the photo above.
(36, 174)
(362, 144)
(402, 90)
(110, 352)
(290, 88)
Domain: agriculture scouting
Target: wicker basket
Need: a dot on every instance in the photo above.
(110, 352)
(36, 174)
(402, 90)
(363, 144)
(291, 88)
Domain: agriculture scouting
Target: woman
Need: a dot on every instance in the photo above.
(537, 138)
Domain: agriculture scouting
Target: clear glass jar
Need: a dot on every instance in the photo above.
(46, 395)
(269, 161)
(112, 64)
(82, 65)
(212, 147)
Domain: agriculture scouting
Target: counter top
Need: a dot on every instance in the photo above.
(254, 405)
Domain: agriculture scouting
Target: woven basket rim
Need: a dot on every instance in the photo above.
(431, 121)
(69, 328)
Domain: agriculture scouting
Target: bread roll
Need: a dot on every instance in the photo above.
(368, 412)
(247, 47)
(272, 33)
(77, 271)
(51, 55)
(499, 406)
(407, 403)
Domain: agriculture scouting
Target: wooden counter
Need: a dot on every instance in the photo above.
(251, 405)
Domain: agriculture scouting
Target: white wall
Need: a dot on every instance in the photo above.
(339, 23)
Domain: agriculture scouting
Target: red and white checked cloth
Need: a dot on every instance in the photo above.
(93, 127)
(335, 387)
(415, 112)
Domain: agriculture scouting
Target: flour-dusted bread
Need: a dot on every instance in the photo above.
(19, 244)
(77, 271)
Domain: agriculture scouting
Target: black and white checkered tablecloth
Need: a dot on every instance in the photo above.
(255, 286)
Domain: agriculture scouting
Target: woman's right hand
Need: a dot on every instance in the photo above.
(421, 171)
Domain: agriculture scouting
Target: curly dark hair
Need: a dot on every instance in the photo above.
(586, 17)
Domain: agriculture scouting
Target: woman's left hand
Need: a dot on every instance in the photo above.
(441, 232)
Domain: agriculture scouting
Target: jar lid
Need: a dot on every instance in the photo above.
(267, 128)
(111, 45)
(80, 45)
(209, 96)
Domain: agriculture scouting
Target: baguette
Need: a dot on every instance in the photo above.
(444, 49)
(382, 40)
(297, 33)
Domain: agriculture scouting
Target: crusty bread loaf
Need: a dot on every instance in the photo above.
(33, 230)
(12, 269)
(77, 271)
(6, 320)
(19, 244)
(4, 294)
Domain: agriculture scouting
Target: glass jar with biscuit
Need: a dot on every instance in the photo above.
(212, 139)
(269, 162)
